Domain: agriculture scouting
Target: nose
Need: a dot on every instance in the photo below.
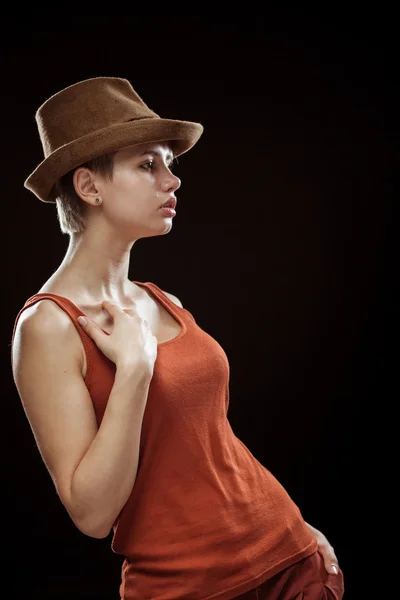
(171, 183)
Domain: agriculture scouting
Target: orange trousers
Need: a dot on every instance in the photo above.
(305, 580)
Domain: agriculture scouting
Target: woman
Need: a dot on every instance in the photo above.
(126, 396)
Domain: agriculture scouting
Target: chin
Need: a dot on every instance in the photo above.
(161, 230)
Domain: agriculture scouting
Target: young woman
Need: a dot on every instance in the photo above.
(126, 396)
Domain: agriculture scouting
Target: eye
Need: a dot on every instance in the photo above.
(150, 165)
(147, 166)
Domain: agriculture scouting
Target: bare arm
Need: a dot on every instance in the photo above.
(93, 469)
(106, 474)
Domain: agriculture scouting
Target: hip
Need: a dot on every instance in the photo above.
(306, 579)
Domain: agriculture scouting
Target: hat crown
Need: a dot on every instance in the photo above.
(86, 107)
(92, 118)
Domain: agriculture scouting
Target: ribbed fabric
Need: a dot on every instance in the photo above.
(205, 520)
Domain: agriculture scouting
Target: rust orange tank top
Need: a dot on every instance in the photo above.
(205, 520)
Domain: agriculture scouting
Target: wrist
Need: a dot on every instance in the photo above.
(133, 374)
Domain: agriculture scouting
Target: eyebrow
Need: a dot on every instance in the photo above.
(170, 156)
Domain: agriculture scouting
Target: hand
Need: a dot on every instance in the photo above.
(326, 551)
(130, 343)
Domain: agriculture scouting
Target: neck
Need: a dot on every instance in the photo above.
(96, 267)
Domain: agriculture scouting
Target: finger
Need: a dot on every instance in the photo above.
(113, 307)
(333, 569)
(90, 327)
(110, 307)
(331, 563)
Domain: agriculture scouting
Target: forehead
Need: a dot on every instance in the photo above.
(164, 149)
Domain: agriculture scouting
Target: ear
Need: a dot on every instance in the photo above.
(85, 185)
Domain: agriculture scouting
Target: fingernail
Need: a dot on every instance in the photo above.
(334, 569)
(82, 320)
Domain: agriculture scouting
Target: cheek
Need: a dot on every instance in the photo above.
(135, 184)
(130, 202)
(131, 192)
(123, 190)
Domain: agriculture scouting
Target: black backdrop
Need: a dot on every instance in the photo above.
(277, 248)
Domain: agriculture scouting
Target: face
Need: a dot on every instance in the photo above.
(142, 183)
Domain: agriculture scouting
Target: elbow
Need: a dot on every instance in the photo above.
(98, 532)
(88, 522)
(93, 528)
(95, 524)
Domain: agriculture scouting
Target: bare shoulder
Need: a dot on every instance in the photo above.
(57, 403)
(41, 325)
(174, 299)
(45, 312)
(44, 318)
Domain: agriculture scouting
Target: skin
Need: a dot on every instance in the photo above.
(326, 550)
(129, 210)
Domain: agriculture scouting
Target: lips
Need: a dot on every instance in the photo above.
(171, 203)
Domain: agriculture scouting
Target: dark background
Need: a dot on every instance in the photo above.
(278, 248)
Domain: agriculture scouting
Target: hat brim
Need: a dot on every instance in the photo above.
(182, 134)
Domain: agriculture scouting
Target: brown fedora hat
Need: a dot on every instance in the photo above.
(94, 117)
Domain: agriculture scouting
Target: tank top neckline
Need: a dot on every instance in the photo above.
(148, 285)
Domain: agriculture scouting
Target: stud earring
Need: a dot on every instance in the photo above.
(97, 201)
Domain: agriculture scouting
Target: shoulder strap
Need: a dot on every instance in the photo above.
(72, 311)
(160, 295)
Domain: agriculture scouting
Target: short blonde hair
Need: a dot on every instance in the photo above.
(71, 209)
